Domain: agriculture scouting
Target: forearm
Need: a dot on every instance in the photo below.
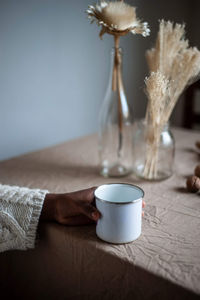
(20, 210)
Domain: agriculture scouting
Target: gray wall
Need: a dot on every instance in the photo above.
(54, 68)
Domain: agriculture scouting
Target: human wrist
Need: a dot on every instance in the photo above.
(48, 212)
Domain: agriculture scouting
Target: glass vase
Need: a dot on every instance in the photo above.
(115, 124)
(153, 151)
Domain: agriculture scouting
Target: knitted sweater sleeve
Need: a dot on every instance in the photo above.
(20, 210)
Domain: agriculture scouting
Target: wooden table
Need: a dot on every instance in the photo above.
(72, 263)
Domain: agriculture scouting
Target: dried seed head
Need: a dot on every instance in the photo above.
(193, 184)
(120, 14)
(117, 18)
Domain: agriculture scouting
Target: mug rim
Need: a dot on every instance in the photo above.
(120, 183)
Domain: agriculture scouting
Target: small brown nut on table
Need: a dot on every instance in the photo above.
(197, 144)
(197, 171)
(193, 184)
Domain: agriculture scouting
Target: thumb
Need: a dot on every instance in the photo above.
(90, 211)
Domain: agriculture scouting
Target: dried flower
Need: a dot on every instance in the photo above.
(170, 42)
(157, 90)
(117, 18)
(173, 66)
(158, 93)
(173, 57)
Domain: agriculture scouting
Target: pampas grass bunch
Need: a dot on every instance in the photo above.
(173, 66)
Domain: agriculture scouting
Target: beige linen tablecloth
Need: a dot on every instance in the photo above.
(72, 263)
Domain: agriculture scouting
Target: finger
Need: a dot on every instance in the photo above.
(77, 220)
(142, 214)
(90, 211)
(143, 204)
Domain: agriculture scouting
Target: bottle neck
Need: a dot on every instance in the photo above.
(148, 123)
(116, 69)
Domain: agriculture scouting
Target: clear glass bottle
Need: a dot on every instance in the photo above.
(152, 161)
(115, 125)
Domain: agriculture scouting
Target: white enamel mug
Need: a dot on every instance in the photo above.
(120, 206)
